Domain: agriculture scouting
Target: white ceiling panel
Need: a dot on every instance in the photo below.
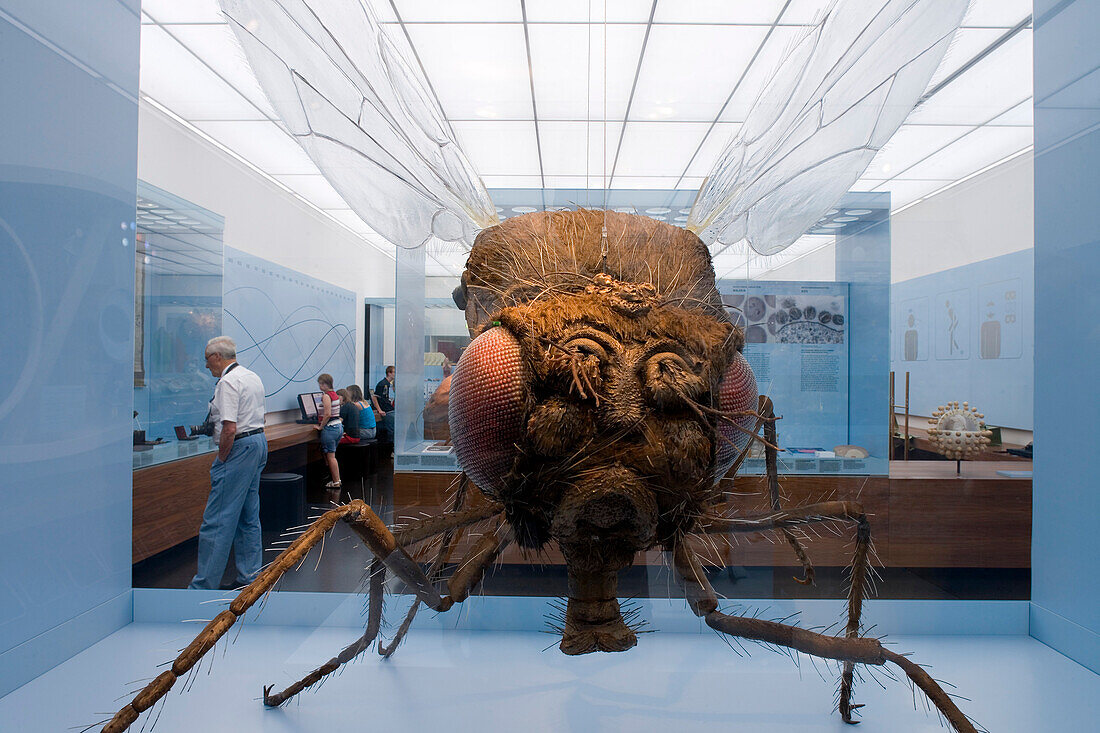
(173, 76)
(663, 183)
(562, 73)
(975, 151)
(911, 144)
(217, 46)
(263, 144)
(658, 148)
(500, 147)
(1020, 115)
(689, 70)
(183, 11)
(716, 141)
(997, 13)
(479, 71)
(491, 181)
(573, 148)
(315, 189)
(1000, 81)
(584, 11)
(774, 50)
(593, 182)
(475, 57)
(459, 11)
(967, 43)
(718, 11)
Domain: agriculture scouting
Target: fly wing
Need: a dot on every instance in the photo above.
(364, 115)
(837, 97)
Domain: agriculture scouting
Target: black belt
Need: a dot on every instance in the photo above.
(246, 433)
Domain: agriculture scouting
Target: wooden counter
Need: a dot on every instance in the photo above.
(169, 498)
(921, 516)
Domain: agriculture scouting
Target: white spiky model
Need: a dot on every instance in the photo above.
(958, 432)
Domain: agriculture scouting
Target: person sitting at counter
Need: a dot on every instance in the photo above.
(368, 426)
(349, 415)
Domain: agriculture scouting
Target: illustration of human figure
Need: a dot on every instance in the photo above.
(952, 324)
(911, 339)
(991, 333)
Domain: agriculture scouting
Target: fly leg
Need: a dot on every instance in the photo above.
(771, 460)
(468, 575)
(849, 649)
(784, 520)
(364, 522)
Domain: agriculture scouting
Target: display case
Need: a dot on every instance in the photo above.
(816, 321)
(178, 308)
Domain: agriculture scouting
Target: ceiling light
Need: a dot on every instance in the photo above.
(858, 212)
(846, 218)
(658, 210)
(524, 209)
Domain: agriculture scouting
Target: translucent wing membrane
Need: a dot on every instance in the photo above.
(838, 96)
(365, 116)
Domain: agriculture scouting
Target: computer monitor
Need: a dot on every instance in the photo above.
(308, 402)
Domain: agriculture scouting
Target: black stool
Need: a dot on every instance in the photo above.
(357, 461)
(282, 501)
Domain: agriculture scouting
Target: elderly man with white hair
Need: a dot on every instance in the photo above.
(232, 516)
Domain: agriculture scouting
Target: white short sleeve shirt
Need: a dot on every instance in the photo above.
(239, 398)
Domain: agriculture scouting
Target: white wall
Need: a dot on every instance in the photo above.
(989, 215)
(260, 217)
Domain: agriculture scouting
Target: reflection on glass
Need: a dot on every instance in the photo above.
(177, 309)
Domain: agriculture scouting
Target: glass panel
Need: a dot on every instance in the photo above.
(178, 308)
(817, 320)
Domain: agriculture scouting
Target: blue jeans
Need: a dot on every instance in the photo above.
(232, 516)
(330, 437)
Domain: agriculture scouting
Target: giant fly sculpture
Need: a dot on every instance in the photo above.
(604, 397)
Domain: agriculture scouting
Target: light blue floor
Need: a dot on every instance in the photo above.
(503, 681)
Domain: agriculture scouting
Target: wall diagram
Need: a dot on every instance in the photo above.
(951, 316)
(971, 330)
(912, 335)
(289, 327)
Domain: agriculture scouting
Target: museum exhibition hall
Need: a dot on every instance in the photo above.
(549, 365)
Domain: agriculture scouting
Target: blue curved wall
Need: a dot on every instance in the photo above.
(68, 170)
(1065, 610)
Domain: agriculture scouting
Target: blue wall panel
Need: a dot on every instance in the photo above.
(289, 327)
(1065, 541)
(68, 160)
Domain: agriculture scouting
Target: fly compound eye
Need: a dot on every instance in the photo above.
(486, 408)
(736, 394)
